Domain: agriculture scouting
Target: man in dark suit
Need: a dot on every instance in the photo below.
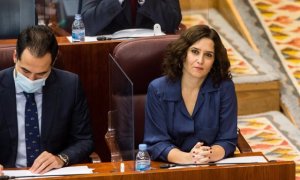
(61, 134)
(109, 16)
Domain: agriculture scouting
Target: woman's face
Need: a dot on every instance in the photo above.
(200, 58)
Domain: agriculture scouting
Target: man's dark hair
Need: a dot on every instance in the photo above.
(177, 51)
(39, 40)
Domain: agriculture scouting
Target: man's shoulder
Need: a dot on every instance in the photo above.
(62, 78)
(62, 74)
(5, 72)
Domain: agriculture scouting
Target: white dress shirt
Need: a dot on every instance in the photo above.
(21, 160)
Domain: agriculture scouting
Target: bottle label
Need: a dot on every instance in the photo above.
(78, 35)
(142, 165)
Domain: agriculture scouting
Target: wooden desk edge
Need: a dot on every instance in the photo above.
(109, 170)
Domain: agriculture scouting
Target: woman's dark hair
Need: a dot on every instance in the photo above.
(177, 52)
(39, 40)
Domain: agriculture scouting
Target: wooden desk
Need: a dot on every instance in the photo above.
(258, 171)
(90, 61)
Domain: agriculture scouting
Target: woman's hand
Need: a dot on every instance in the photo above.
(201, 154)
(198, 155)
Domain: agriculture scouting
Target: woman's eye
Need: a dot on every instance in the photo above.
(194, 51)
(209, 55)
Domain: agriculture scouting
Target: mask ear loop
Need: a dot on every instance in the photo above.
(15, 71)
(55, 59)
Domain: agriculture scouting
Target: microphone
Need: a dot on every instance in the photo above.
(6, 177)
(104, 38)
(164, 166)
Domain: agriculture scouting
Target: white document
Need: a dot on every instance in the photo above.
(73, 170)
(227, 161)
(245, 159)
(86, 38)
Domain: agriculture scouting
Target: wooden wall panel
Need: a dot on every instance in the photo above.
(258, 97)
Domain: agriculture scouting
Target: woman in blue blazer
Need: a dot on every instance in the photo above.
(191, 112)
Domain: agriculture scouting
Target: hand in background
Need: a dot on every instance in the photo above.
(1, 169)
(45, 162)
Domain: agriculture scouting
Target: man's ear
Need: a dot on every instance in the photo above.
(15, 57)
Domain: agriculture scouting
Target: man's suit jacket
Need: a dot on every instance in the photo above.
(65, 118)
(108, 16)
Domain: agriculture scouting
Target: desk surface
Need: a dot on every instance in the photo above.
(258, 171)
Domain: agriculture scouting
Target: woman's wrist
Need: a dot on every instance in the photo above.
(217, 154)
(180, 157)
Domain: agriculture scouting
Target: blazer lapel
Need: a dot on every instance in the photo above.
(49, 106)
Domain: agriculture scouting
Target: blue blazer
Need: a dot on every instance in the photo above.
(168, 124)
(108, 16)
(65, 118)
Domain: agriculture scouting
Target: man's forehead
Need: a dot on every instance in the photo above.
(35, 64)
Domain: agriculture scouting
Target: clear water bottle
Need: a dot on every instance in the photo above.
(78, 30)
(142, 161)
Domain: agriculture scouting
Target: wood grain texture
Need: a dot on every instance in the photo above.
(258, 97)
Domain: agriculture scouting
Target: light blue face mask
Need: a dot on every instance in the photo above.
(28, 85)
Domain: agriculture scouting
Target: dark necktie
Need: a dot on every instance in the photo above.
(133, 4)
(32, 135)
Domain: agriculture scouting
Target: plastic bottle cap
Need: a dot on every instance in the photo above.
(77, 16)
(142, 147)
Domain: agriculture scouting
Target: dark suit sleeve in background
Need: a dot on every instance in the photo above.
(167, 13)
(108, 16)
(98, 14)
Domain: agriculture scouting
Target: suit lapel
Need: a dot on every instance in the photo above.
(50, 104)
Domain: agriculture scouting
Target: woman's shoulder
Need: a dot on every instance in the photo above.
(209, 85)
(163, 82)
(165, 87)
(227, 85)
